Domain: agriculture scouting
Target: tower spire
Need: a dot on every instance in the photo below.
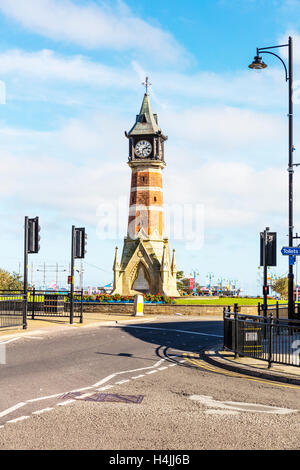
(146, 121)
(173, 264)
(116, 266)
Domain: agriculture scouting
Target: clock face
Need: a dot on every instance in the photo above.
(143, 148)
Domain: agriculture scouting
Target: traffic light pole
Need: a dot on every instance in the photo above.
(265, 270)
(72, 277)
(291, 305)
(25, 286)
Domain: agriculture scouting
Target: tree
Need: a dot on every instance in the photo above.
(10, 281)
(179, 277)
(281, 287)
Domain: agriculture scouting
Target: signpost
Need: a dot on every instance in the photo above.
(290, 251)
(31, 245)
(78, 251)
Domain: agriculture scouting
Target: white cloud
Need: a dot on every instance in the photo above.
(50, 70)
(86, 166)
(225, 129)
(92, 26)
(46, 65)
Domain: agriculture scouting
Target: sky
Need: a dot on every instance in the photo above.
(71, 74)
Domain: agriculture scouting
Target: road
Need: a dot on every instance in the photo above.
(141, 386)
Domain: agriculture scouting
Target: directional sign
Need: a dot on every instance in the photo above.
(294, 251)
(292, 260)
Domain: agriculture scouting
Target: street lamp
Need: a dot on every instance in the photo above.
(258, 64)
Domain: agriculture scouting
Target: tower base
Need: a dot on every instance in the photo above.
(145, 268)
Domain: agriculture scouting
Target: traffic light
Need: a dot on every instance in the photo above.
(80, 243)
(271, 248)
(33, 235)
(265, 290)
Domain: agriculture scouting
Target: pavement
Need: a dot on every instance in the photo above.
(217, 356)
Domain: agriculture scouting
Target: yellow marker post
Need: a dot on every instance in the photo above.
(138, 305)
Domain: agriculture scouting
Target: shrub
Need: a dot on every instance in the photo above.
(154, 298)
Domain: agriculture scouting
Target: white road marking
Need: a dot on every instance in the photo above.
(103, 381)
(21, 418)
(20, 337)
(152, 372)
(44, 398)
(80, 389)
(123, 381)
(222, 412)
(178, 331)
(239, 406)
(162, 368)
(9, 341)
(85, 395)
(63, 403)
(42, 411)
(12, 409)
(33, 337)
(101, 389)
(106, 379)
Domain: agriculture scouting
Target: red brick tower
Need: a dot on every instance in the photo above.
(145, 265)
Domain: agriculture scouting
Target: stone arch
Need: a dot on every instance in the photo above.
(140, 279)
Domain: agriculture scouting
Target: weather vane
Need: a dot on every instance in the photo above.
(146, 84)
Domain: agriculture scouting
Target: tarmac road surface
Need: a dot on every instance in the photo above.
(140, 386)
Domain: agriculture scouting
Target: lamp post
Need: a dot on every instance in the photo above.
(258, 64)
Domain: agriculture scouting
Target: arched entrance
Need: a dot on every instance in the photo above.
(141, 282)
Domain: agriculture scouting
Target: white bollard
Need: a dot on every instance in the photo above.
(139, 305)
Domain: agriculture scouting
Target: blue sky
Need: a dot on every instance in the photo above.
(73, 70)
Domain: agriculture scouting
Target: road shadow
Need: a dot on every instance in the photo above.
(174, 338)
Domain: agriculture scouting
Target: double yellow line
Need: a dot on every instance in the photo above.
(196, 361)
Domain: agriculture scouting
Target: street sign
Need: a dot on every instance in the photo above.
(292, 260)
(294, 251)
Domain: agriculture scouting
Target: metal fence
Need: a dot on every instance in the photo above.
(16, 307)
(54, 304)
(274, 340)
(12, 310)
(278, 310)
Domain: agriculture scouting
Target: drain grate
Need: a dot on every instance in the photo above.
(115, 398)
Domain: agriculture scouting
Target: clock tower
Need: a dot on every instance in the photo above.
(145, 265)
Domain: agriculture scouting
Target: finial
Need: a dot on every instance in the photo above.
(146, 84)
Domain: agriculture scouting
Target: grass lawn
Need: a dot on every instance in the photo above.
(223, 301)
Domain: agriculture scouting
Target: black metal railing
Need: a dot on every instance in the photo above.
(16, 307)
(275, 340)
(54, 304)
(12, 310)
(278, 310)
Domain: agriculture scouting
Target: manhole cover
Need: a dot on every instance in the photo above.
(115, 398)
